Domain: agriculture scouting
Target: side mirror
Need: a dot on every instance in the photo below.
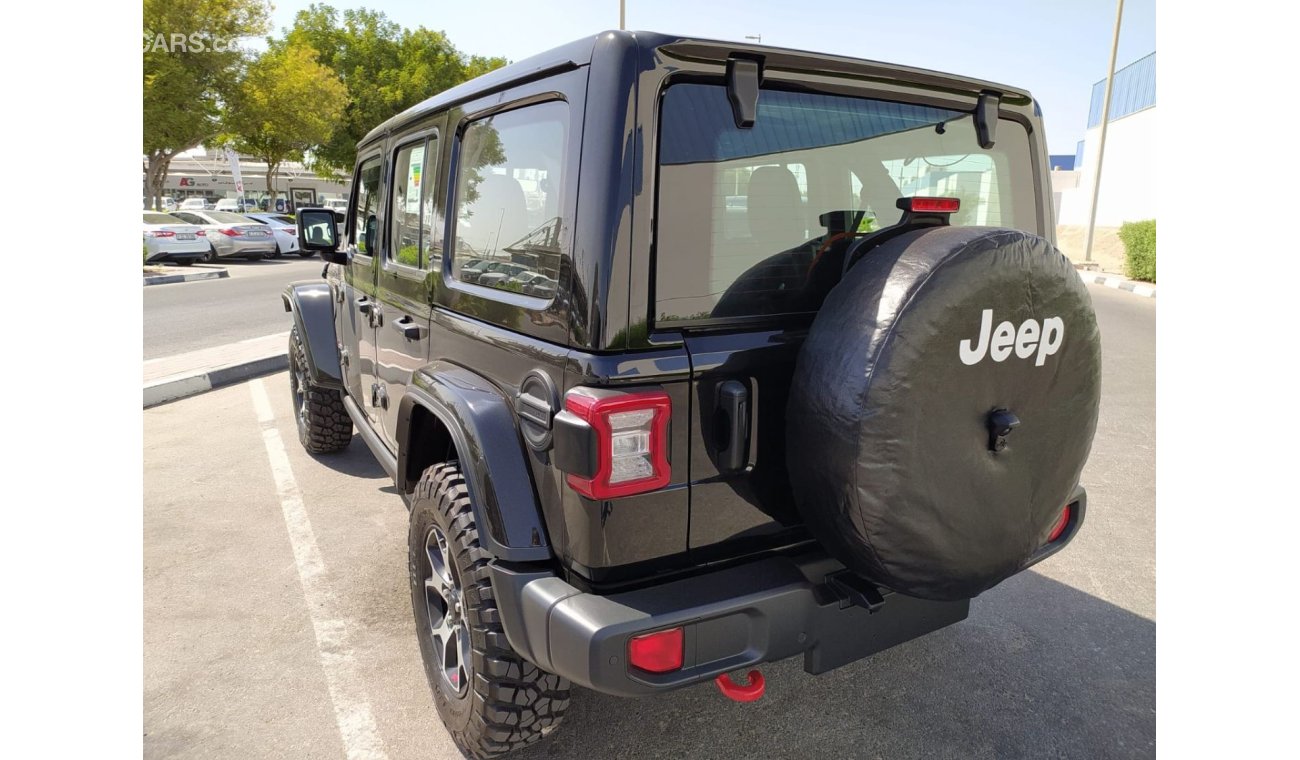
(316, 232)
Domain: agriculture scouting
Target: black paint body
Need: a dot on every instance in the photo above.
(447, 387)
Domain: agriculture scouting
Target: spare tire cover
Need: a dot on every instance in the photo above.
(889, 447)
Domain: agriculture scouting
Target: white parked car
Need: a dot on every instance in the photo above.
(285, 230)
(234, 204)
(194, 204)
(335, 204)
(168, 238)
(232, 235)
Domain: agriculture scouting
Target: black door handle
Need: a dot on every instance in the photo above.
(733, 430)
(408, 328)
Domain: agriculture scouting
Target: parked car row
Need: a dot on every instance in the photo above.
(185, 236)
(237, 205)
(508, 276)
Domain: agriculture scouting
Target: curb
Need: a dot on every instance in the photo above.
(180, 386)
(167, 279)
(1118, 283)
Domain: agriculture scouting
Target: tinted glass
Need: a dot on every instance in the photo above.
(365, 230)
(508, 189)
(161, 219)
(746, 214)
(408, 178)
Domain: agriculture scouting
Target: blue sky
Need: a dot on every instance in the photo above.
(1055, 48)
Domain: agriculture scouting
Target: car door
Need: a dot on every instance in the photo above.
(358, 319)
(413, 239)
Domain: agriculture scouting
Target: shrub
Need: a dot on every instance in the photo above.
(409, 255)
(1139, 239)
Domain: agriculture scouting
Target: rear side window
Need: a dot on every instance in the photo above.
(509, 185)
(413, 178)
(745, 213)
(365, 226)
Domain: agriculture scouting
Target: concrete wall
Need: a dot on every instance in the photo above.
(1129, 180)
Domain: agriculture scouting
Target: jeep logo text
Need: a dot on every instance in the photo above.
(1000, 342)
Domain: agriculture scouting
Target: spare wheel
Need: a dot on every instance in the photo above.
(927, 341)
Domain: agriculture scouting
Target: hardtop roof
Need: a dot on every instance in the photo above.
(580, 53)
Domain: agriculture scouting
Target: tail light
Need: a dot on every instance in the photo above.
(159, 233)
(291, 230)
(658, 652)
(623, 445)
(1060, 526)
(230, 231)
(201, 233)
(924, 205)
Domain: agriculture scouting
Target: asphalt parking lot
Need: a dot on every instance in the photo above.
(278, 622)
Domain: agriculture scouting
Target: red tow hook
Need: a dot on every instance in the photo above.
(737, 693)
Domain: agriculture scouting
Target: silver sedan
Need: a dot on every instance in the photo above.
(167, 238)
(232, 235)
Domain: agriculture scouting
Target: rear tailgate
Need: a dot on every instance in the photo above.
(749, 221)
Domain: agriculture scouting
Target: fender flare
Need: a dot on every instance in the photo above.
(482, 426)
(312, 306)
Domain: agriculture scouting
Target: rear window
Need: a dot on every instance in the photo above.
(737, 205)
(226, 217)
(162, 219)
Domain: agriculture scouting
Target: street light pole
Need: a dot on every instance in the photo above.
(1101, 139)
(622, 15)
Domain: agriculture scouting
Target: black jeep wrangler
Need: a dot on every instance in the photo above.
(688, 356)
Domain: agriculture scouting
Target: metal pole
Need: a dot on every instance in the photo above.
(622, 14)
(1101, 139)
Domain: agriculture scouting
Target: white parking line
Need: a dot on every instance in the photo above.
(352, 711)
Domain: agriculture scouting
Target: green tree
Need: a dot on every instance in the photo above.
(287, 104)
(190, 68)
(385, 67)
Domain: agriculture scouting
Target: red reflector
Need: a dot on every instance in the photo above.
(935, 205)
(657, 652)
(1060, 525)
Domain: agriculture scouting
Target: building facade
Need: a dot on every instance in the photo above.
(1129, 180)
(207, 174)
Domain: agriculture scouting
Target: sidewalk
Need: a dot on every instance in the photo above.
(1118, 282)
(173, 377)
(161, 277)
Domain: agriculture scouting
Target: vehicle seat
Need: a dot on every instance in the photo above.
(502, 211)
(775, 209)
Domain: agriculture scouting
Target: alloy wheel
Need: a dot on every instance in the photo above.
(446, 607)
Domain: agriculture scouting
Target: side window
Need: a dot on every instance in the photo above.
(365, 228)
(509, 185)
(412, 178)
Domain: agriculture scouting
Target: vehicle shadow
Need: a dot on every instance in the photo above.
(1039, 669)
(355, 461)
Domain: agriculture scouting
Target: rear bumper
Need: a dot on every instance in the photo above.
(761, 611)
(235, 247)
